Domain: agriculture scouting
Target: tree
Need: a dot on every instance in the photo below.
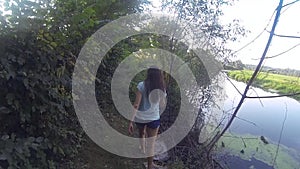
(205, 16)
(40, 41)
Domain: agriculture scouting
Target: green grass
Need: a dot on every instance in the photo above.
(252, 146)
(281, 84)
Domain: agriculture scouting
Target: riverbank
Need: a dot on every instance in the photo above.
(276, 83)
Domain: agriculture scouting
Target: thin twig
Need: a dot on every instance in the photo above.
(281, 53)
(265, 29)
(245, 145)
(246, 121)
(282, 127)
(285, 36)
(290, 3)
(261, 103)
(233, 85)
(246, 138)
(242, 119)
(249, 43)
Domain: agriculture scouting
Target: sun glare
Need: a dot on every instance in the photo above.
(2, 8)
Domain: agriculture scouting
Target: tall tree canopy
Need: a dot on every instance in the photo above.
(39, 43)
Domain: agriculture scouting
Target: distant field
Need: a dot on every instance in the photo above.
(281, 84)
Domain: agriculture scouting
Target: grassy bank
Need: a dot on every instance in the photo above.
(281, 84)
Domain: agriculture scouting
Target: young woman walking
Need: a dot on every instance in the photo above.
(150, 98)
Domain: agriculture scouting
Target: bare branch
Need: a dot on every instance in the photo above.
(290, 3)
(261, 103)
(285, 36)
(265, 29)
(246, 121)
(233, 85)
(268, 97)
(245, 138)
(217, 137)
(281, 53)
(249, 43)
(242, 119)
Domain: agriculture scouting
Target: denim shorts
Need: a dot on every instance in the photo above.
(150, 124)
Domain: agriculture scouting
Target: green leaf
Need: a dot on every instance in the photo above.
(19, 149)
(61, 151)
(5, 137)
(3, 157)
(21, 60)
(39, 139)
(53, 44)
(4, 110)
(9, 98)
(30, 139)
(13, 136)
(25, 82)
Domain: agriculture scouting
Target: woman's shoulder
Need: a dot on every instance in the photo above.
(141, 86)
(141, 83)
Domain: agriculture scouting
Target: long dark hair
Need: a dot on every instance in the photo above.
(154, 80)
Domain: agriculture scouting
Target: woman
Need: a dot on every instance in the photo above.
(149, 101)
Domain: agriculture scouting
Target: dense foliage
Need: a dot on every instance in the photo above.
(40, 41)
(39, 44)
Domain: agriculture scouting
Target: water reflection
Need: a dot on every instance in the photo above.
(266, 116)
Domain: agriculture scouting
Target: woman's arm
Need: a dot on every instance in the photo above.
(162, 103)
(136, 104)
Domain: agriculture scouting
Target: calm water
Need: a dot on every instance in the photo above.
(267, 114)
(233, 162)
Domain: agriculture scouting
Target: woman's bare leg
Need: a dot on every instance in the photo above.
(142, 133)
(151, 134)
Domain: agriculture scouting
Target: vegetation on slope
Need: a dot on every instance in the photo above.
(281, 84)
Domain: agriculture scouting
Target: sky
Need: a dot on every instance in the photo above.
(254, 15)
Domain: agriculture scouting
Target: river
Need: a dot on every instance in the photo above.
(265, 117)
(267, 114)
